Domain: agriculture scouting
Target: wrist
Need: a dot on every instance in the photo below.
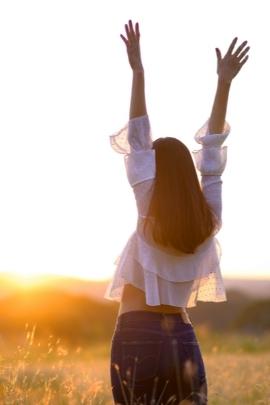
(222, 82)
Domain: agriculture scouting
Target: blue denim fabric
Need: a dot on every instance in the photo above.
(156, 359)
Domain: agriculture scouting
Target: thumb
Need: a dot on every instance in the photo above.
(218, 53)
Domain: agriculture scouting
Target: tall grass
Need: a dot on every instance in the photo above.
(51, 372)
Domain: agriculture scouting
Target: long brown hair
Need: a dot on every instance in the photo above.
(182, 219)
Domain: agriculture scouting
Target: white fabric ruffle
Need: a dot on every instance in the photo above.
(170, 267)
(134, 140)
(203, 136)
(212, 158)
(119, 140)
(134, 136)
(209, 288)
(169, 279)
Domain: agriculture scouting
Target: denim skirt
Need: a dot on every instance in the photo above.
(156, 360)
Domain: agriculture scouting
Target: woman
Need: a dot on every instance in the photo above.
(172, 259)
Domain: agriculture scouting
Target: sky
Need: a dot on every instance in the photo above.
(65, 204)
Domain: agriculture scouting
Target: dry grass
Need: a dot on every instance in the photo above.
(238, 379)
(51, 373)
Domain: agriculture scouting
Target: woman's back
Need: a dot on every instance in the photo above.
(133, 299)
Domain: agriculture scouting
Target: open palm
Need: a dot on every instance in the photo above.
(132, 41)
(230, 65)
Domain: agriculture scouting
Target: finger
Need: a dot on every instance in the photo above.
(242, 54)
(240, 48)
(218, 53)
(243, 61)
(232, 46)
(131, 29)
(137, 30)
(127, 31)
(124, 39)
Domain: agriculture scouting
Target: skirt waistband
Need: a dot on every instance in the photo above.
(139, 318)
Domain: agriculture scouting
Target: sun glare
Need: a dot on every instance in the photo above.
(26, 279)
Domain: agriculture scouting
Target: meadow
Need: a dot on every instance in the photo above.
(52, 372)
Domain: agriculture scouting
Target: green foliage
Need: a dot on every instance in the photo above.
(255, 317)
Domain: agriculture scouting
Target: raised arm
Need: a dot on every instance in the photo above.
(227, 68)
(132, 41)
(211, 159)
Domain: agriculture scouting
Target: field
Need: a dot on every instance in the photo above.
(51, 372)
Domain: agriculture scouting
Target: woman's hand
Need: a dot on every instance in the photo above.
(230, 65)
(227, 68)
(132, 41)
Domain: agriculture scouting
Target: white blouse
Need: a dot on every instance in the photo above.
(178, 280)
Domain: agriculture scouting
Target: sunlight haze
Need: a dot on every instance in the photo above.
(65, 205)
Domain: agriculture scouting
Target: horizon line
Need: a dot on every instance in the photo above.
(108, 279)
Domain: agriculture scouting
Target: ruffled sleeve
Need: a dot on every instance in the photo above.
(211, 161)
(119, 141)
(135, 136)
(135, 142)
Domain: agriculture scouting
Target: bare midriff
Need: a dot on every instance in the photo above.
(133, 299)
